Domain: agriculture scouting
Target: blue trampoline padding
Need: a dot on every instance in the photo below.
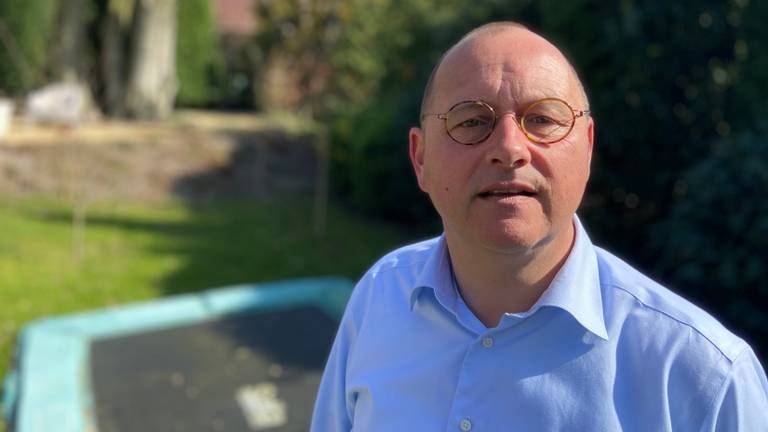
(50, 389)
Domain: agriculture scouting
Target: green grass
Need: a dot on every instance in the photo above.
(138, 251)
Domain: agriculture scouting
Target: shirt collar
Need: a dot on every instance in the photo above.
(437, 274)
(575, 288)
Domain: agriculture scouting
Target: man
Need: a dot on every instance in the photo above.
(512, 319)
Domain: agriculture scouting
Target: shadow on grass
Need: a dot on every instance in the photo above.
(228, 242)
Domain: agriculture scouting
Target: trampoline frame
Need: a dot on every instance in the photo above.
(50, 387)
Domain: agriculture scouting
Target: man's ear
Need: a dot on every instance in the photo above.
(591, 137)
(416, 152)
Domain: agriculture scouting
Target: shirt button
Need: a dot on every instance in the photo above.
(487, 342)
(465, 425)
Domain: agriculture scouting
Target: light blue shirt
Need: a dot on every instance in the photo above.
(603, 349)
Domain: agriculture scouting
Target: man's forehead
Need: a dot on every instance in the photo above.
(521, 66)
(539, 73)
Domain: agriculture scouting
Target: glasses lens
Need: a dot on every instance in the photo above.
(469, 122)
(547, 121)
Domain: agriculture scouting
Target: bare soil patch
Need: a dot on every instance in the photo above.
(197, 155)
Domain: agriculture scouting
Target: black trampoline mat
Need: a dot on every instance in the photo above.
(213, 375)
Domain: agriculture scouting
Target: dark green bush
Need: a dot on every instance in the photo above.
(198, 59)
(713, 247)
(24, 43)
(370, 161)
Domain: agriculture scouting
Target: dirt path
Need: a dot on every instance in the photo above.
(195, 155)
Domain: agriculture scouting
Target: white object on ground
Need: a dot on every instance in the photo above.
(58, 103)
(261, 406)
(6, 114)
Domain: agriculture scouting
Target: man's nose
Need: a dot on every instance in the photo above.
(510, 146)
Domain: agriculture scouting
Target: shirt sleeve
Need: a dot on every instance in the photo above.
(742, 404)
(333, 408)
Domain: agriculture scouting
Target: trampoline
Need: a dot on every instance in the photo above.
(242, 358)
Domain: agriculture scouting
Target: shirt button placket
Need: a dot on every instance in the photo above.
(465, 425)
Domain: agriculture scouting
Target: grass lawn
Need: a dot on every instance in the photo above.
(140, 251)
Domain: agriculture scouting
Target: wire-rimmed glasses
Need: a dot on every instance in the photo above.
(545, 121)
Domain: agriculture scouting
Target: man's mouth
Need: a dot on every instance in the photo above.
(505, 193)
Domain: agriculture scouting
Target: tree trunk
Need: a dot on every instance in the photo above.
(69, 48)
(152, 81)
(112, 65)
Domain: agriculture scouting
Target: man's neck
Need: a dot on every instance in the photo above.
(493, 283)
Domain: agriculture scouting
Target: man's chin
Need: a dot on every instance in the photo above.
(513, 242)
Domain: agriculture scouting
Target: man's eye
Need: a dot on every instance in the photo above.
(472, 122)
(540, 120)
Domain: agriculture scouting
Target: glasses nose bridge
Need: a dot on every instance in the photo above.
(500, 115)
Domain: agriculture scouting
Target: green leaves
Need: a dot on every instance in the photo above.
(714, 243)
(25, 36)
(198, 58)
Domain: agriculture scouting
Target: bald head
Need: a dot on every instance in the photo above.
(476, 37)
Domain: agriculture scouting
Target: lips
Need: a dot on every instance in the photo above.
(505, 190)
(501, 193)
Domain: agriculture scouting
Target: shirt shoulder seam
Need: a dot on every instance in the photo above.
(721, 388)
(731, 358)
